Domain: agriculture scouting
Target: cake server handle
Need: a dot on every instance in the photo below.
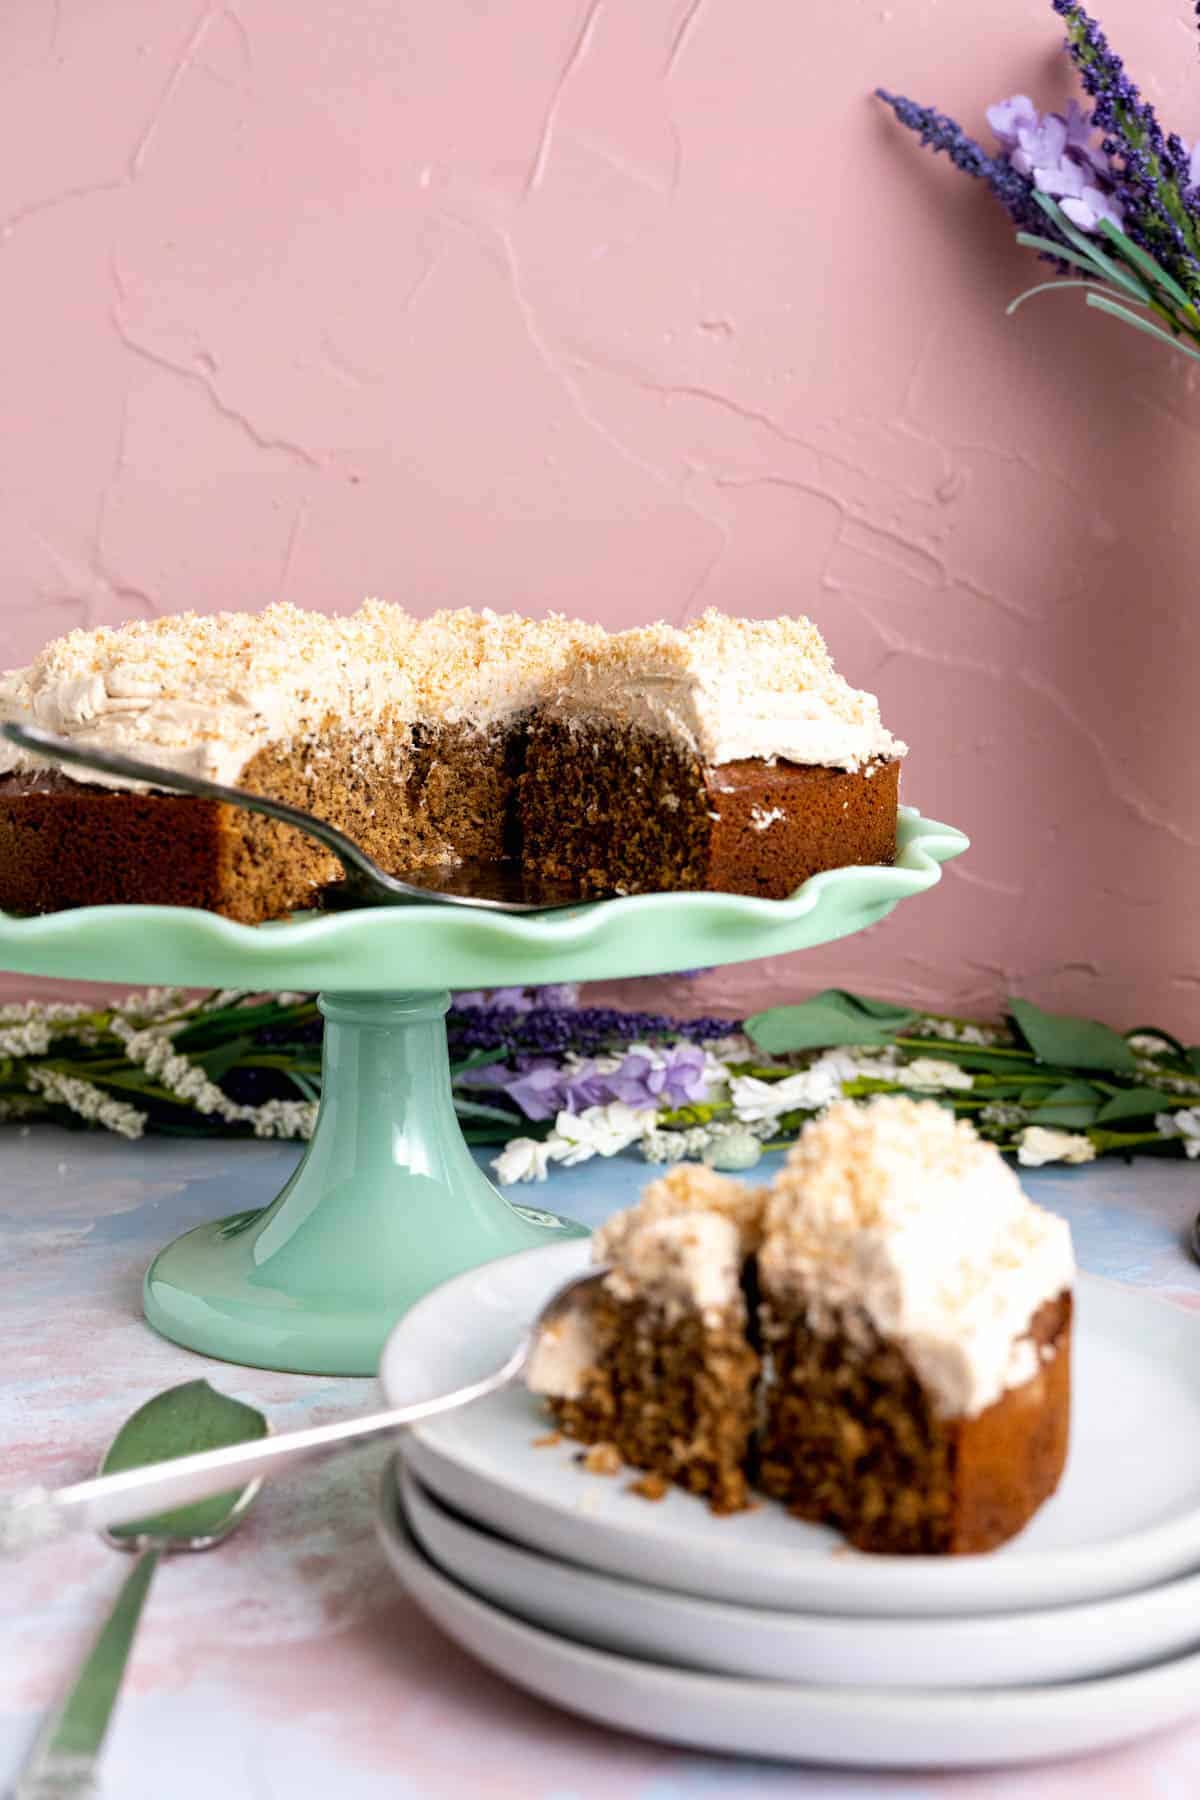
(366, 884)
(363, 873)
(40, 1515)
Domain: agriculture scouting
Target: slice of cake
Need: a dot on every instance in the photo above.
(729, 756)
(294, 705)
(479, 676)
(658, 1364)
(917, 1313)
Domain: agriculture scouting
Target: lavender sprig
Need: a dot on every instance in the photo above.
(937, 131)
(1152, 167)
(551, 1030)
(1124, 214)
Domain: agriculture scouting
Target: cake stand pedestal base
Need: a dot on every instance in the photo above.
(387, 1202)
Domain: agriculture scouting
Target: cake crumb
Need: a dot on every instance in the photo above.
(547, 1441)
(602, 1459)
(650, 1487)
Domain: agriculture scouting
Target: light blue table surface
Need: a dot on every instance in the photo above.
(289, 1663)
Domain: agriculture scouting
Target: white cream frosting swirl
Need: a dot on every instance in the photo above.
(731, 689)
(898, 1212)
(204, 695)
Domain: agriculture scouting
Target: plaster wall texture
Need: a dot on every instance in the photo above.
(627, 308)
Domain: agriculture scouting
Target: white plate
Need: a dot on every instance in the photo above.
(1126, 1516)
(851, 1727)
(1001, 1650)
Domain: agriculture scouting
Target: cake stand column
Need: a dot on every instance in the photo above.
(387, 1202)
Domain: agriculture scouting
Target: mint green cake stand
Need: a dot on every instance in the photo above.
(387, 1200)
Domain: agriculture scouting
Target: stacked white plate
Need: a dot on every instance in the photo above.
(761, 1635)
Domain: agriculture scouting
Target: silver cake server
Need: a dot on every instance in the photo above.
(38, 1515)
(489, 887)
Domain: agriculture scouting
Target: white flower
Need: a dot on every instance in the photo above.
(755, 1101)
(1184, 1124)
(999, 1114)
(153, 1050)
(737, 1048)
(1038, 1144)
(30, 1039)
(597, 1131)
(522, 1159)
(1148, 1043)
(952, 1033)
(88, 1101)
(931, 1075)
(283, 1118)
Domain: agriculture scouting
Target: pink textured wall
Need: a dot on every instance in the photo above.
(630, 307)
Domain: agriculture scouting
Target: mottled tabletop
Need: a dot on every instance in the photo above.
(289, 1663)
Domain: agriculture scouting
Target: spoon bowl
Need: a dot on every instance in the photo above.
(128, 1489)
(64, 1759)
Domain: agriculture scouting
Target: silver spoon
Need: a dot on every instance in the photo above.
(365, 884)
(64, 1761)
(38, 1516)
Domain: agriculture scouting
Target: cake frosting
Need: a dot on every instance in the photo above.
(685, 1188)
(203, 695)
(899, 1213)
(561, 1354)
(731, 689)
(681, 1249)
(486, 668)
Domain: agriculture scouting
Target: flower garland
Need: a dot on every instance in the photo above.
(553, 1082)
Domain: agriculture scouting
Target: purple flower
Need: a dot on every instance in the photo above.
(1152, 170)
(586, 1086)
(1056, 153)
(674, 1082)
(553, 1030)
(540, 1091)
(1014, 191)
(1008, 118)
(564, 993)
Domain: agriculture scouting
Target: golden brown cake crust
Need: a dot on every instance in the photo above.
(612, 809)
(64, 843)
(851, 1440)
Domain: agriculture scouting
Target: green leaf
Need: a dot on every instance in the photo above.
(219, 1060)
(478, 1059)
(1136, 1103)
(1129, 283)
(1146, 263)
(1054, 287)
(826, 1021)
(1144, 325)
(1123, 278)
(1015, 1064)
(1071, 1043)
(478, 1109)
(1074, 1106)
(176, 1423)
(1193, 1058)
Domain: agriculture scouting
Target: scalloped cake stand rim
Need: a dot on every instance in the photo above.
(434, 947)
